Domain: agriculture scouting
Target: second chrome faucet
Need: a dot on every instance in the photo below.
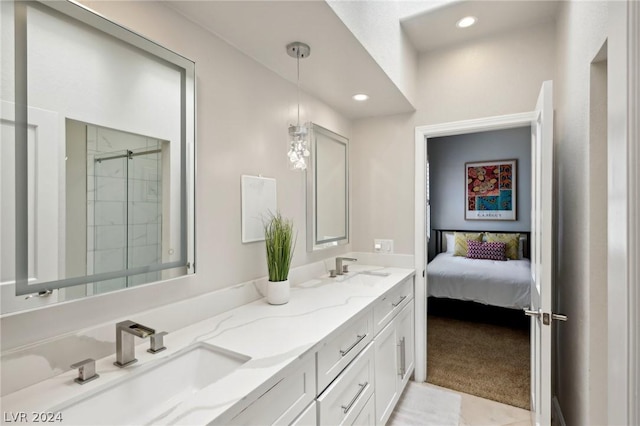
(342, 269)
(125, 346)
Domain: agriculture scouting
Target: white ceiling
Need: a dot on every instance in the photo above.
(338, 67)
(437, 28)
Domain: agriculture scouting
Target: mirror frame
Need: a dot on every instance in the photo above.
(313, 244)
(187, 144)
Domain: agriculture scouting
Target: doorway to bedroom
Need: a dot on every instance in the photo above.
(478, 338)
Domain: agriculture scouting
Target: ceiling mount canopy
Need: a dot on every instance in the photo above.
(298, 50)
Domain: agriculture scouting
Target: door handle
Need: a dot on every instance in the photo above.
(559, 317)
(546, 318)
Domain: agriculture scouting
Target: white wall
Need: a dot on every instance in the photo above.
(243, 113)
(496, 75)
(376, 25)
(382, 175)
(581, 392)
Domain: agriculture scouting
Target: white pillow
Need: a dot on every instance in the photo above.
(521, 247)
(450, 243)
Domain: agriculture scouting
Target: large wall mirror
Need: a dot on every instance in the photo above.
(97, 157)
(327, 190)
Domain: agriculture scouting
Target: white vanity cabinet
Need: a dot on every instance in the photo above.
(342, 402)
(367, 416)
(385, 309)
(356, 376)
(308, 417)
(339, 351)
(284, 402)
(394, 356)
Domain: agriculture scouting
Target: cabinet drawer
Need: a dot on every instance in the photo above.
(391, 304)
(309, 417)
(284, 401)
(345, 398)
(367, 416)
(338, 352)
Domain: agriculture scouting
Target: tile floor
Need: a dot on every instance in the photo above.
(476, 411)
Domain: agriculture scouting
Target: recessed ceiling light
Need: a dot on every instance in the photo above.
(360, 97)
(467, 21)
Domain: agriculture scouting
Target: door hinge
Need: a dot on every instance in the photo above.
(423, 273)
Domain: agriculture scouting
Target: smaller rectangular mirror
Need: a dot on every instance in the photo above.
(327, 190)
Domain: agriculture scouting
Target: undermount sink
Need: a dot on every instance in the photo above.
(148, 394)
(364, 277)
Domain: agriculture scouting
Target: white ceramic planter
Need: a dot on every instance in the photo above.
(278, 292)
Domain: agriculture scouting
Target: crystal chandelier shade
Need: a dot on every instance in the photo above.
(298, 134)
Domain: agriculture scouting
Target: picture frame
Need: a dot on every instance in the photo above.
(258, 201)
(491, 190)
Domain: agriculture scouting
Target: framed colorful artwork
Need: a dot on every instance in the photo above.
(491, 190)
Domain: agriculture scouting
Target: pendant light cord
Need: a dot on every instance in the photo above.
(298, 67)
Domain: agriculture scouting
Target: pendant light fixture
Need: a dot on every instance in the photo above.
(298, 144)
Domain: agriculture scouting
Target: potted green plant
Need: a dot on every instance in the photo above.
(280, 243)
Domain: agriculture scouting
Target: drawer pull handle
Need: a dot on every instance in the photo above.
(399, 301)
(360, 337)
(346, 408)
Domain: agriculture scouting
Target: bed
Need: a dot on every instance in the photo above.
(505, 284)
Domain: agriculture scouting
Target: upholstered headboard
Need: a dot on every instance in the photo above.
(441, 241)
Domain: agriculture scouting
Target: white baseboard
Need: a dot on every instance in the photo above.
(556, 415)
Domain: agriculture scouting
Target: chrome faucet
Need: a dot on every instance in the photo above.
(339, 267)
(125, 348)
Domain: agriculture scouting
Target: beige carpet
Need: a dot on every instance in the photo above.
(485, 360)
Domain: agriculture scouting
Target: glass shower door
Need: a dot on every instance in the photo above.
(107, 226)
(145, 214)
(125, 226)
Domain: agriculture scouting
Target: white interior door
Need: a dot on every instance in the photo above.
(42, 213)
(542, 256)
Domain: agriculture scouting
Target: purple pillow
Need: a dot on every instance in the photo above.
(491, 251)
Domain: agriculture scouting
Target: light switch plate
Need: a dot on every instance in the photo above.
(383, 246)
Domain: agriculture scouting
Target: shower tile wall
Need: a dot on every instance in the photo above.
(145, 212)
(122, 232)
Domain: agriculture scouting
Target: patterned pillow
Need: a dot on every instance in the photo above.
(512, 242)
(491, 251)
(461, 238)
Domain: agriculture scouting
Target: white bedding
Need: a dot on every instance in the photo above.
(506, 284)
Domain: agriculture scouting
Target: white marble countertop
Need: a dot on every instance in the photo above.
(273, 337)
